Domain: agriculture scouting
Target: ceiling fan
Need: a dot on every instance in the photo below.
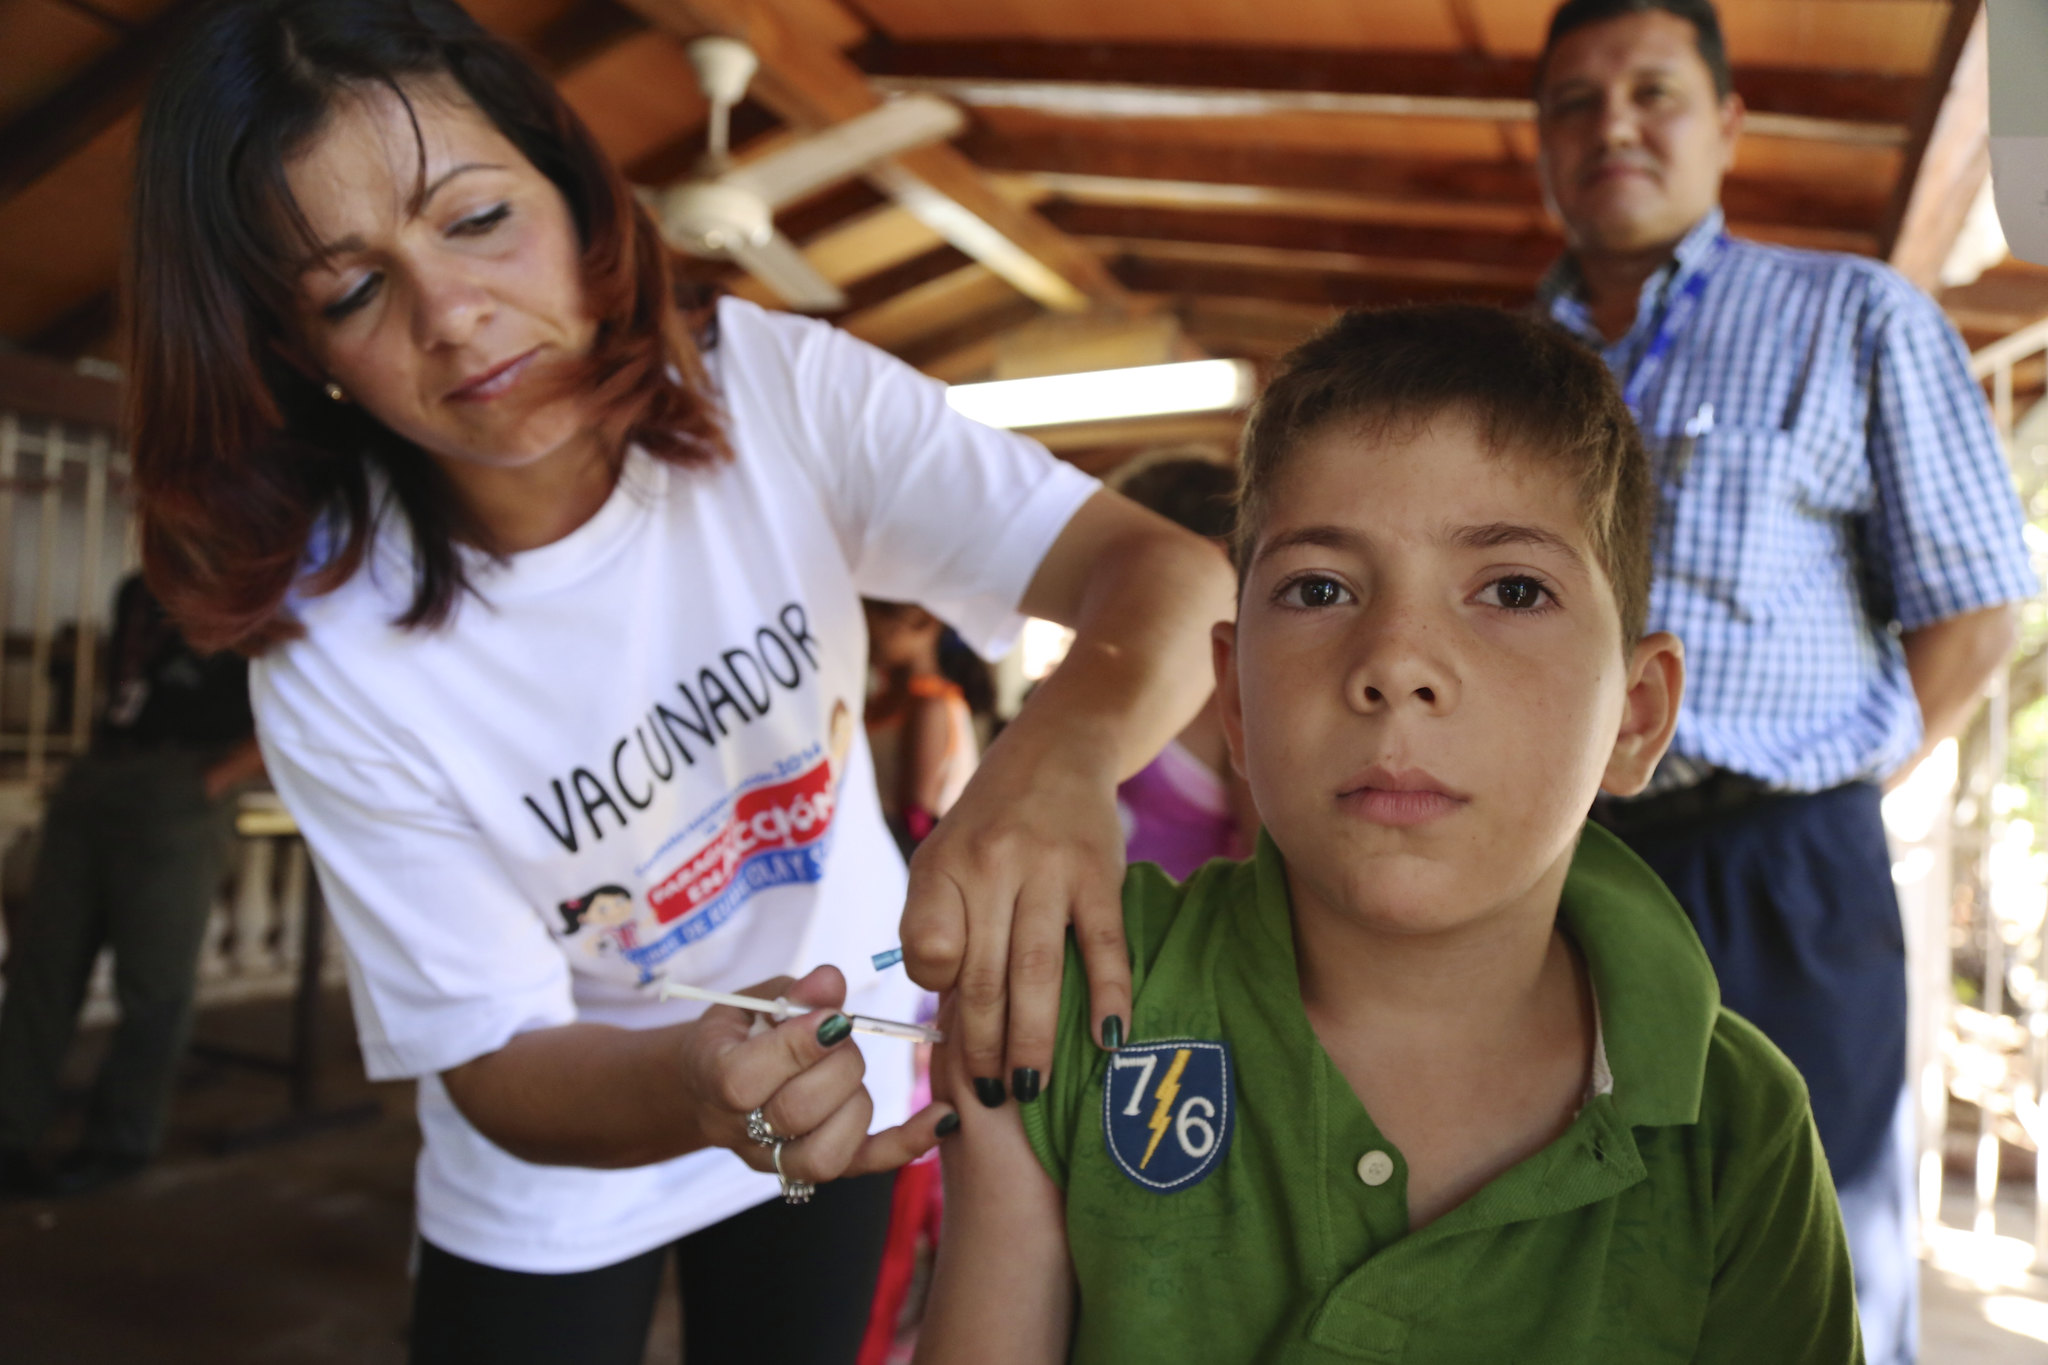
(727, 212)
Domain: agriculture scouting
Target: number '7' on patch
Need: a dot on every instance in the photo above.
(1168, 1111)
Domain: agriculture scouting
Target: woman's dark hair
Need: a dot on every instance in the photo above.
(238, 453)
(1574, 15)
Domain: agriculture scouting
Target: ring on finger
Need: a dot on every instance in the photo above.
(793, 1191)
(761, 1130)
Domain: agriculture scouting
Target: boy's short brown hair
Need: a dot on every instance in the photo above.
(1533, 392)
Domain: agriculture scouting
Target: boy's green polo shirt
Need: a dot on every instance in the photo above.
(1686, 1215)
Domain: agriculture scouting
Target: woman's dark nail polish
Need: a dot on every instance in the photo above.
(1024, 1081)
(1113, 1032)
(948, 1125)
(989, 1091)
(834, 1030)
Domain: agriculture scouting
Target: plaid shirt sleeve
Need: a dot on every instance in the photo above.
(1945, 533)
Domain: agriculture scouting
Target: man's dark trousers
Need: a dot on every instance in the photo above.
(1793, 900)
(131, 857)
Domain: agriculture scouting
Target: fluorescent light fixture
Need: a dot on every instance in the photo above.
(1106, 395)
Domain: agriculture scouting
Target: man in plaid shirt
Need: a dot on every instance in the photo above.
(1838, 546)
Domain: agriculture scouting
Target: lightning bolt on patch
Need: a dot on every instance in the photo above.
(1162, 1111)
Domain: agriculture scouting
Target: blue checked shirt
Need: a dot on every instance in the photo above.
(1827, 477)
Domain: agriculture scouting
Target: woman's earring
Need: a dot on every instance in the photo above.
(334, 392)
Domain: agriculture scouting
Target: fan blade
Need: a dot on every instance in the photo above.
(780, 266)
(838, 152)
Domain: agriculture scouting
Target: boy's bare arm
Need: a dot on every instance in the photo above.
(1003, 1287)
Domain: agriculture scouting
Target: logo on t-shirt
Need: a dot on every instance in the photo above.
(773, 835)
(1166, 1114)
(774, 830)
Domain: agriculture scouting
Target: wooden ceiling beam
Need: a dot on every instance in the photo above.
(2006, 300)
(971, 363)
(37, 141)
(903, 319)
(37, 387)
(1339, 205)
(1980, 327)
(831, 210)
(1088, 152)
(864, 245)
(874, 290)
(1099, 447)
(1344, 206)
(1746, 199)
(676, 158)
(1949, 154)
(935, 346)
(1262, 329)
(811, 84)
(1153, 80)
(1528, 252)
(87, 329)
(112, 86)
(1193, 279)
(583, 34)
(1470, 277)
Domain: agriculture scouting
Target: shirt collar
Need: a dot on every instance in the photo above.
(1655, 997)
(1562, 292)
(1656, 993)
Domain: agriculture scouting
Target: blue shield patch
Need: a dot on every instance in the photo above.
(1166, 1111)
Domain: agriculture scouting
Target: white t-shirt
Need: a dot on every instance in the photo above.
(639, 755)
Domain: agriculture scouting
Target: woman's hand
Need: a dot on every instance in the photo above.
(1034, 843)
(805, 1078)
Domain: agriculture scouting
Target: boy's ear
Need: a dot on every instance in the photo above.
(1229, 704)
(1656, 685)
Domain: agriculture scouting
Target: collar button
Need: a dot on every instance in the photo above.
(1375, 1168)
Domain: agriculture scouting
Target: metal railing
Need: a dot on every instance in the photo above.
(57, 477)
(1998, 1064)
(67, 536)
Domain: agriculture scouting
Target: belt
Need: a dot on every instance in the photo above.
(1719, 794)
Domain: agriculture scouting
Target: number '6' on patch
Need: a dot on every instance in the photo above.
(1167, 1111)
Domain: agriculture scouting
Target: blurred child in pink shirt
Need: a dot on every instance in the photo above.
(1187, 806)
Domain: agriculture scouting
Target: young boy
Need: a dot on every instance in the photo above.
(1440, 1076)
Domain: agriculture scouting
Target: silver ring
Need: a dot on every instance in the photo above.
(761, 1130)
(793, 1191)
